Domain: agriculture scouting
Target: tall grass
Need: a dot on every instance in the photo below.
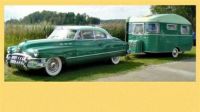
(15, 34)
(115, 29)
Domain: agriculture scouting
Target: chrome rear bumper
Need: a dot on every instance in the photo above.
(24, 61)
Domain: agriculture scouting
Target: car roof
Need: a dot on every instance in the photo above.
(163, 18)
(76, 27)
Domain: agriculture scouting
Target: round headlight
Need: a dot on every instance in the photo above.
(17, 49)
(35, 53)
(8, 50)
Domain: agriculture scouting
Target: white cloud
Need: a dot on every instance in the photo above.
(100, 11)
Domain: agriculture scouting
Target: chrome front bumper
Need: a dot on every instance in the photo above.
(24, 61)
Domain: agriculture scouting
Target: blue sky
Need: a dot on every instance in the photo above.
(102, 12)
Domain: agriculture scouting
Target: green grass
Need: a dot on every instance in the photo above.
(92, 71)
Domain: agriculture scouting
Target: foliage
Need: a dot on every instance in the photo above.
(187, 11)
(115, 27)
(55, 18)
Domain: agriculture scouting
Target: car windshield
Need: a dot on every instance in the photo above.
(62, 34)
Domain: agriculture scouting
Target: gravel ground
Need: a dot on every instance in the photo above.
(183, 70)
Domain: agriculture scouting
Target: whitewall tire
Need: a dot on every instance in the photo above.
(175, 53)
(53, 66)
(115, 60)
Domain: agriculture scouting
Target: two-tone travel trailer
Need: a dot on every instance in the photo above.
(160, 33)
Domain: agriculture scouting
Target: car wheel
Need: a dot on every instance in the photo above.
(53, 66)
(115, 60)
(175, 53)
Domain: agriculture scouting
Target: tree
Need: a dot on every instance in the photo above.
(187, 11)
(53, 17)
(13, 21)
(93, 20)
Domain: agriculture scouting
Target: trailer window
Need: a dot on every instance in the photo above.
(136, 29)
(152, 28)
(185, 29)
(171, 27)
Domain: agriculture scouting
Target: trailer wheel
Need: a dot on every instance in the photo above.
(175, 53)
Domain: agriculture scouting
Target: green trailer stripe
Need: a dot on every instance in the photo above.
(161, 35)
(168, 35)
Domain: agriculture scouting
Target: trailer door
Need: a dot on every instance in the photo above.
(135, 37)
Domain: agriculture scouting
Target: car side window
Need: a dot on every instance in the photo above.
(78, 36)
(87, 34)
(99, 35)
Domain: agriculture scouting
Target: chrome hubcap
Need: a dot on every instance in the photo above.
(175, 52)
(53, 65)
(115, 60)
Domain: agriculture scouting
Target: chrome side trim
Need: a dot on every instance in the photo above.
(94, 54)
(162, 35)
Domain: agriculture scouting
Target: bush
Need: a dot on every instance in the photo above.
(115, 29)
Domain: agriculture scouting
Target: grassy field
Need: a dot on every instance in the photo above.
(14, 34)
(92, 71)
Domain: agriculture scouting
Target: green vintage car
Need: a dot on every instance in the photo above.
(66, 44)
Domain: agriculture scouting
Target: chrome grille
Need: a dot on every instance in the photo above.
(18, 61)
(21, 61)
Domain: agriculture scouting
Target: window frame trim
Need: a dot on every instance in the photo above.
(187, 27)
(158, 28)
(171, 29)
(142, 27)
